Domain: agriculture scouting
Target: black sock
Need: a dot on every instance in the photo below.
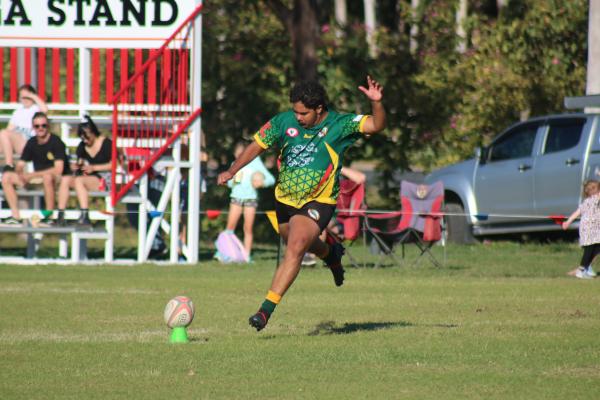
(329, 258)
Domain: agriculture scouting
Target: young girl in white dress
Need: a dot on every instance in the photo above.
(589, 228)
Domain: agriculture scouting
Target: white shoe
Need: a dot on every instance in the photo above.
(581, 274)
(589, 271)
(309, 259)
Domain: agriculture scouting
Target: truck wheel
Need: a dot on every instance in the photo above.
(457, 228)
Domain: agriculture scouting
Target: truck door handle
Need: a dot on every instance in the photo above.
(572, 161)
(524, 167)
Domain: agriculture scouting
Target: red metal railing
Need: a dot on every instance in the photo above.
(143, 131)
(55, 72)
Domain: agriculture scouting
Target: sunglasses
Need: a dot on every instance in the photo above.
(37, 126)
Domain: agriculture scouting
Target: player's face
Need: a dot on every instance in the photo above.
(306, 117)
(40, 126)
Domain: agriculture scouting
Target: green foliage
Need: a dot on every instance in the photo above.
(441, 104)
(520, 64)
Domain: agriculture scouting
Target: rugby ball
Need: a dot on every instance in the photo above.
(179, 312)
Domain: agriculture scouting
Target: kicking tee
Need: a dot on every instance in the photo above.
(311, 158)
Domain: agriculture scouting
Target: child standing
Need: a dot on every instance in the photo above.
(244, 197)
(589, 228)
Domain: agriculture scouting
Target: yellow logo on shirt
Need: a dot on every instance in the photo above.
(50, 156)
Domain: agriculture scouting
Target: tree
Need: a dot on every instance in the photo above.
(341, 13)
(461, 33)
(370, 26)
(593, 67)
(301, 23)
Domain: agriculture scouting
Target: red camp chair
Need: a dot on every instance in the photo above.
(419, 221)
(350, 212)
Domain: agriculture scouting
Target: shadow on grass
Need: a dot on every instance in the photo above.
(330, 328)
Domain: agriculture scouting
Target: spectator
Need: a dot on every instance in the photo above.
(244, 197)
(156, 186)
(91, 172)
(19, 129)
(589, 228)
(49, 157)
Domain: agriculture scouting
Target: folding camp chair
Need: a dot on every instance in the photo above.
(350, 210)
(419, 222)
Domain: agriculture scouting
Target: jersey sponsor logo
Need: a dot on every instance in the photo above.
(292, 132)
(323, 132)
(307, 136)
(314, 214)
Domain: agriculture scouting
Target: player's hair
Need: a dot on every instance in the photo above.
(310, 93)
(39, 114)
(27, 87)
(587, 187)
(87, 126)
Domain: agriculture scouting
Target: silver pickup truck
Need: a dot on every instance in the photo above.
(531, 171)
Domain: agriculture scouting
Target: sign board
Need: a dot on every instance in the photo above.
(91, 23)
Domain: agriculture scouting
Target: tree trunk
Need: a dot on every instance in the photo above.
(341, 13)
(370, 26)
(461, 33)
(303, 26)
(593, 66)
(414, 28)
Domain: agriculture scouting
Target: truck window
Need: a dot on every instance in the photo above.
(563, 135)
(517, 143)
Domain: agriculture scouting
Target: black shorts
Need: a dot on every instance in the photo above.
(319, 212)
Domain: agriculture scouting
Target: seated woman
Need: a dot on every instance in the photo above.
(90, 173)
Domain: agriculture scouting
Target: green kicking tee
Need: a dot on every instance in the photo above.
(311, 158)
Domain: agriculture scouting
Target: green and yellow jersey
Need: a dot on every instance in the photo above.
(311, 158)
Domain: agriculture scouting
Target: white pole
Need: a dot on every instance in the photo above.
(193, 228)
(109, 244)
(84, 80)
(175, 200)
(143, 219)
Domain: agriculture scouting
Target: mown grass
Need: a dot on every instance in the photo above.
(497, 322)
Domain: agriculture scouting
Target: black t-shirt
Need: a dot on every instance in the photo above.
(103, 156)
(44, 155)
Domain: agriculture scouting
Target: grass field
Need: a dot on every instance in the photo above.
(497, 322)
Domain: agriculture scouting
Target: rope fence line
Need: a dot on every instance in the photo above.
(214, 214)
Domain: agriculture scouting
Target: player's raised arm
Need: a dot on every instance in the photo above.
(374, 92)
